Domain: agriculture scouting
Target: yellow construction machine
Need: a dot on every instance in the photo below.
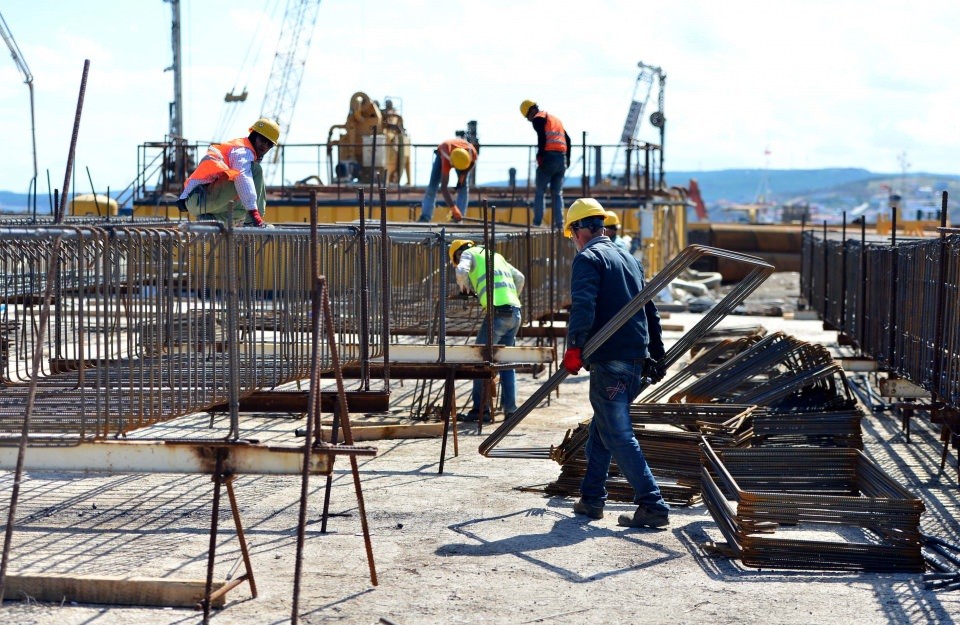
(372, 142)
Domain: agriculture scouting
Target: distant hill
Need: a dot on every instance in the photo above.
(18, 202)
(776, 185)
(828, 192)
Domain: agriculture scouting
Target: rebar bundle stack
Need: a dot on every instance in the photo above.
(669, 436)
(813, 509)
(816, 428)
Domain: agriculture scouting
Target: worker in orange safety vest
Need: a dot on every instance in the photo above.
(453, 154)
(553, 159)
(228, 182)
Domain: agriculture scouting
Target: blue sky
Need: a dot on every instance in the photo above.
(815, 83)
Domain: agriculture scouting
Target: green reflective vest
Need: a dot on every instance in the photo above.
(504, 290)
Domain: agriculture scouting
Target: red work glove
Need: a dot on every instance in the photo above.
(456, 215)
(257, 219)
(572, 361)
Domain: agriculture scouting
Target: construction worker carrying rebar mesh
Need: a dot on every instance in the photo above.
(470, 261)
(228, 182)
(604, 279)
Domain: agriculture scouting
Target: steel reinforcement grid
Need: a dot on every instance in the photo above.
(142, 315)
(897, 300)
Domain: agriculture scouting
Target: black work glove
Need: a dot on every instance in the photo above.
(182, 205)
(652, 370)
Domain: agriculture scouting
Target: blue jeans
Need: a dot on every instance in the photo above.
(550, 172)
(430, 197)
(505, 328)
(613, 385)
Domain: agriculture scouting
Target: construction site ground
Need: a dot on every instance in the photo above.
(480, 543)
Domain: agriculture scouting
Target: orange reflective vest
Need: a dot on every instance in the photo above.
(556, 137)
(214, 163)
(445, 148)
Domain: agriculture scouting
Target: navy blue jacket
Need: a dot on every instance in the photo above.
(605, 278)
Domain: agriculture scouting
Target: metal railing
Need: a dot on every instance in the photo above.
(152, 321)
(511, 166)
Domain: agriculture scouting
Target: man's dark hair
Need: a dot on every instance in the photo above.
(594, 224)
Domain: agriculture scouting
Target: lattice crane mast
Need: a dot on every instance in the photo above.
(283, 85)
(642, 90)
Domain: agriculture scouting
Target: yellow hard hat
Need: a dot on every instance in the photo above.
(460, 159)
(457, 245)
(268, 128)
(581, 209)
(610, 220)
(525, 107)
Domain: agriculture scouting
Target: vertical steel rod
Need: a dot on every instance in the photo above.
(214, 520)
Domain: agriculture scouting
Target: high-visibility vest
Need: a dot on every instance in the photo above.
(504, 289)
(556, 137)
(445, 148)
(215, 161)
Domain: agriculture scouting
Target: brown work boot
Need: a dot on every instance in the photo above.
(644, 517)
(594, 512)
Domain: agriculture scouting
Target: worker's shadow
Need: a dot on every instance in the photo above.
(556, 542)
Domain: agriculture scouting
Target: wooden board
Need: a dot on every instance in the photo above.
(375, 429)
(109, 590)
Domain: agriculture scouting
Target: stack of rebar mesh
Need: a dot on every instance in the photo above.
(750, 390)
(669, 435)
(811, 509)
(805, 394)
(766, 430)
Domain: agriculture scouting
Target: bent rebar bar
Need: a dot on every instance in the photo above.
(760, 272)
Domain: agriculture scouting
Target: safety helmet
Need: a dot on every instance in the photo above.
(457, 245)
(460, 159)
(610, 219)
(268, 128)
(525, 107)
(581, 209)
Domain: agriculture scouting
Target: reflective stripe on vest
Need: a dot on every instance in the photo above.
(504, 290)
(556, 139)
(215, 163)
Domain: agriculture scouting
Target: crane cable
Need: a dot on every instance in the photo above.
(230, 109)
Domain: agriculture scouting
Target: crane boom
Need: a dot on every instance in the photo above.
(283, 85)
(27, 78)
(638, 104)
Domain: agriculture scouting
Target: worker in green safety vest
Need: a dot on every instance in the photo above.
(470, 261)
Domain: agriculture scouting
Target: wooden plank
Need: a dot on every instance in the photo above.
(134, 456)
(801, 315)
(109, 590)
(902, 388)
(858, 364)
(294, 401)
(381, 431)
(429, 354)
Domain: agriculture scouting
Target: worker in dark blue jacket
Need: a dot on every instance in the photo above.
(605, 278)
